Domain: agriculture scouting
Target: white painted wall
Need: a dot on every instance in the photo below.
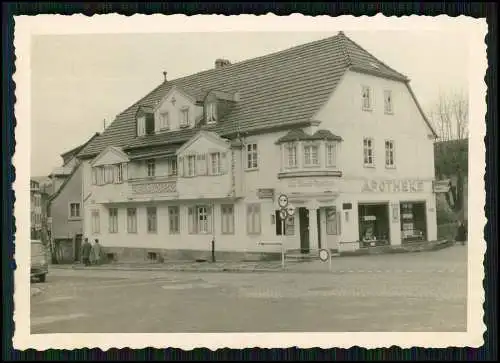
(174, 110)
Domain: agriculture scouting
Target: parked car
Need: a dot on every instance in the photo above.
(39, 261)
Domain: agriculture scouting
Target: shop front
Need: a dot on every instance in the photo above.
(373, 221)
(413, 222)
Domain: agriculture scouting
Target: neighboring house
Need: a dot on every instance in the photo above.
(206, 156)
(36, 209)
(65, 206)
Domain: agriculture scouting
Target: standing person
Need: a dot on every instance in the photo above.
(86, 249)
(96, 252)
(461, 233)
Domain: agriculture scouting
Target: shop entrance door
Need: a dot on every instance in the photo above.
(304, 229)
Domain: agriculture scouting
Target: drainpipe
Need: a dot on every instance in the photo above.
(213, 232)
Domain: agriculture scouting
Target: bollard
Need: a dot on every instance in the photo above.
(213, 250)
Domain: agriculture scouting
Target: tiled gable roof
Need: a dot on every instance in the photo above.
(300, 135)
(325, 135)
(281, 89)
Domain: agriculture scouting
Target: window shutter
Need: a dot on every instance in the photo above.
(201, 164)
(339, 223)
(249, 218)
(223, 163)
(180, 166)
(157, 120)
(191, 219)
(125, 171)
(94, 176)
(209, 219)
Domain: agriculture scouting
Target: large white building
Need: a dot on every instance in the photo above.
(205, 157)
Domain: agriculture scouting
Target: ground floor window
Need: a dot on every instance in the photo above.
(173, 218)
(413, 221)
(227, 218)
(373, 224)
(131, 220)
(113, 220)
(332, 221)
(151, 215)
(200, 219)
(253, 218)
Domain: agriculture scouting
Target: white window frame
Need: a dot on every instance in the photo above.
(332, 223)
(164, 121)
(118, 174)
(174, 222)
(254, 222)
(78, 210)
(211, 113)
(141, 126)
(191, 165)
(113, 220)
(309, 155)
(196, 215)
(388, 102)
(252, 156)
(291, 159)
(368, 152)
(184, 117)
(152, 220)
(94, 176)
(215, 163)
(390, 152)
(227, 218)
(331, 158)
(131, 220)
(366, 98)
(172, 166)
(151, 168)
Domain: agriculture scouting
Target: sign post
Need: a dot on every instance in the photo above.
(283, 204)
(325, 255)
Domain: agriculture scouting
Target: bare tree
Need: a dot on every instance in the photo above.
(450, 116)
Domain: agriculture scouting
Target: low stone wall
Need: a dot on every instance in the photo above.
(157, 255)
(412, 247)
(447, 231)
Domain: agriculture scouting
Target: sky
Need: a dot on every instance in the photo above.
(80, 80)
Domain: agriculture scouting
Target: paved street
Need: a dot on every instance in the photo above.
(397, 292)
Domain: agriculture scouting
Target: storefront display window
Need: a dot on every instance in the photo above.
(413, 221)
(373, 224)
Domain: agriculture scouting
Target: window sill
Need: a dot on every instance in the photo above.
(309, 173)
(367, 109)
(393, 167)
(74, 219)
(252, 169)
(389, 113)
(130, 232)
(369, 166)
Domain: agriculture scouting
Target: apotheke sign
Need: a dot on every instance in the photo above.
(393, 186)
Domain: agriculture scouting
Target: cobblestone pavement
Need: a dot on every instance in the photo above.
(403, 292)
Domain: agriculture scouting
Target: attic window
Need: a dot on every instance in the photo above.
(211, 113)
(184, 122)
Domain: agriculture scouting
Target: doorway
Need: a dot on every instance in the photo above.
(413, 221)
(78, 247)
(304, 229)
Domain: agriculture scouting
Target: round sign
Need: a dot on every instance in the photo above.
(290, 210)
(324, 255)
(282, 200)
(283, 214)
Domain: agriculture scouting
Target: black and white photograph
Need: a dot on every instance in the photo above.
(275, 181)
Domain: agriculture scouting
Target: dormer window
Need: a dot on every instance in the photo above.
(141, 126)
(164, 121)
(184, 122)
(211, 113)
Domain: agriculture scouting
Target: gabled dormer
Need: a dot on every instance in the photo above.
(217, 104)
(178, 109)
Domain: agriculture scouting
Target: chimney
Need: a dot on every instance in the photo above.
(164, 76)
(219, 63)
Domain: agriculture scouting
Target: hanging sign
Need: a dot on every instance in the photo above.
(290, 210)
(283, 214)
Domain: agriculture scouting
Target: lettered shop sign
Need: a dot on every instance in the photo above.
(393, 186)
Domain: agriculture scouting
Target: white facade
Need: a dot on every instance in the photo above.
(139, 207)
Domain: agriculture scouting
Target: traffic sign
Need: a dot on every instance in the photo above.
(324, 255)
(290, 210)
(283, 214)
(282, 200)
